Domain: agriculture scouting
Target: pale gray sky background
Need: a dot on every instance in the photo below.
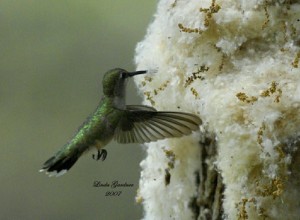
(53, 57)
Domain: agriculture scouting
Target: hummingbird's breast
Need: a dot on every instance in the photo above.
(102, 133)
(100, 127)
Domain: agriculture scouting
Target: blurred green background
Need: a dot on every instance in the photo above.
(53, 57)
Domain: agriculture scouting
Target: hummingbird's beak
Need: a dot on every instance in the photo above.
(130, 74)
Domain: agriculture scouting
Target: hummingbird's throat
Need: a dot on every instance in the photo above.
(119, 102)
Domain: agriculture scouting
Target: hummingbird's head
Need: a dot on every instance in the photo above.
(114, 81)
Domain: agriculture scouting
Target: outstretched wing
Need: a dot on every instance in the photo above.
(142, 124)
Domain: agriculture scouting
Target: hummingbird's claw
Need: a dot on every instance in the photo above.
(101, 154)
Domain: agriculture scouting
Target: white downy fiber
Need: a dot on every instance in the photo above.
(235, 64)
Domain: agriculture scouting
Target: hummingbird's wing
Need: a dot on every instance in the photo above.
(142, 124)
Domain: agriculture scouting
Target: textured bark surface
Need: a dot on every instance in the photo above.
(210, 182)
(235, 64)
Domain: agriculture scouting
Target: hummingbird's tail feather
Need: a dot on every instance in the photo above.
(60, 163)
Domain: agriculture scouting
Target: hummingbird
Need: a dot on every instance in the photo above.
(113, 119)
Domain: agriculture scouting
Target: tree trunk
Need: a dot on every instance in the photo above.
(235, 64)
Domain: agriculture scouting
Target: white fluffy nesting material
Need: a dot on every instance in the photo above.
(235, 64)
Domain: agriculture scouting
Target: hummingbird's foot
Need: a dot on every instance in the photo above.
(100, 155)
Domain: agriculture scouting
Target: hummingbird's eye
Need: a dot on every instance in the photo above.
(123, 75)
